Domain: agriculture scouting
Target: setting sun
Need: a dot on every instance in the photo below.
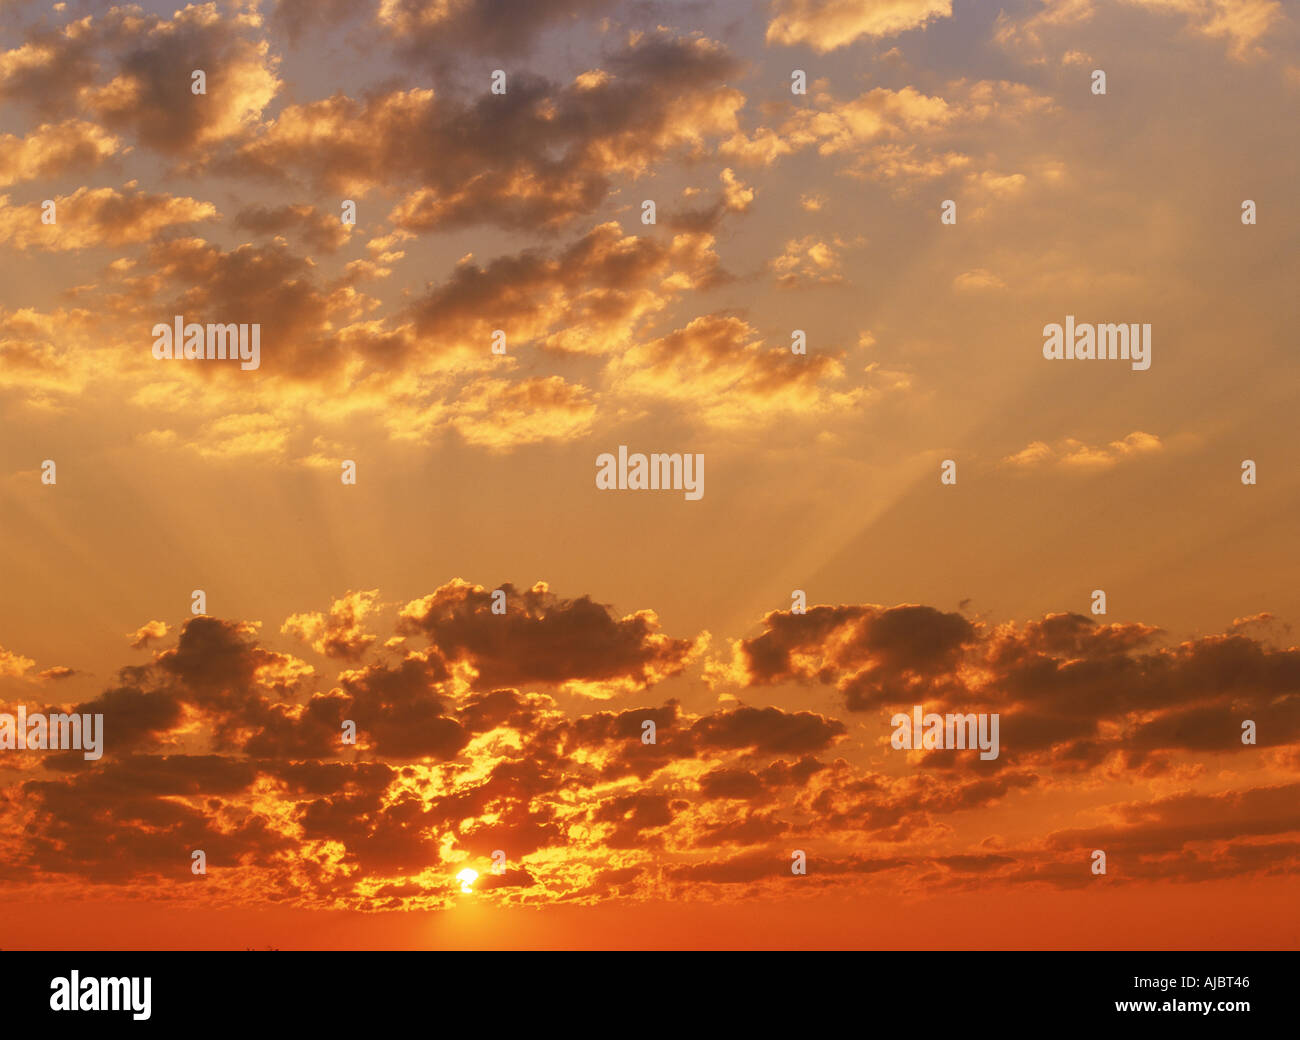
(467, 877)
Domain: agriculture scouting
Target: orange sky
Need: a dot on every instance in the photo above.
(1183, 917)
(371, 602)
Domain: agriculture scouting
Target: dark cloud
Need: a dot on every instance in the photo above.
(1064, 685)
(401, 710)
(461, 749)
(767, 730)
(543, 639)
(125, 821)
(323, 232)
(534, 157)
(498, 27)
(132, 71)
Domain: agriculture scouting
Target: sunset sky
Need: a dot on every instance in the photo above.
(775, 211)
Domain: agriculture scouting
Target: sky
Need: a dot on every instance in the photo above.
(427, 635)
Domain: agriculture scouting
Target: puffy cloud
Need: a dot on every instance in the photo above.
(100, 217)
(835, 128)
(249, 435)
(220, 669)
(147, 632)
(588, 298)
(49, 357)
(14, 665)
(1074, 455)
(53, 149)
(150, 94)
(217, 743)
(534, 157)
(341, 632)
(269, 285)
(767, 730)
(51, 65)
(1070, 692)
(717, 367)
(402, 710)
(909, 642)
(901, 136)
(422, 371)
(139, 714)
(825, 25)
(808, 260)
(318, 230)
(132, 71)
(505, 27)
(737, 195)
(544, 639)
(153, 827)
(482, 735)
(1194, 836)
(501, 415)
(1241, 24)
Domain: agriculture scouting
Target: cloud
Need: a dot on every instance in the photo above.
(1240, 23)
(1146, 833)
(719, 371)
(248, 435)
(403, 710)
(737, 195)
(48, 358)
(767, 730)
(1071, 455)
(977, 280)
(1050, 15)
(907, 643)
(1071, 693)
(224, 744)
(13, 665)
(53, 149)
(100, 217)
(526, 731)
(834, 128)
(269, 285)
(504, 27)
(825, 25)
(150, 94)
(501, 415)
(543, 639)
(318, 230)
(151, 834)
(132, 71)
(588, 298)
(341, 632)
(424, 370)
(899, 137)
(808, 260)
(147, 632)
(535, 157)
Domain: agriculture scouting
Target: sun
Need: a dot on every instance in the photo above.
(467, 877)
